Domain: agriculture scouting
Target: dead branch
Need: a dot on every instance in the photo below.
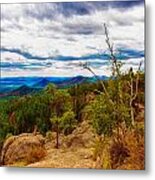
(115, 67)
(132, 94)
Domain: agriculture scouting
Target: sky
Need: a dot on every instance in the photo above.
(52, 39)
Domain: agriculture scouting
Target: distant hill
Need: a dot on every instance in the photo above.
(78, 80)
(66, 82)
(41, 84)
(72, 81)
(21, 91)
(29, 85)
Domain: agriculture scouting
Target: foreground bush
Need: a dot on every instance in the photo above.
(124, 150)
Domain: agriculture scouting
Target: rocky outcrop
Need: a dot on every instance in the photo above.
(82, 136)
(23, 149)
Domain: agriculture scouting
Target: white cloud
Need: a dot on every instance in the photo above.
(12, 57)
(66, 36)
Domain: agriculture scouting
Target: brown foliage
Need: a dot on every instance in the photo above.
(127, 150)
(123, 150)
(118, 154)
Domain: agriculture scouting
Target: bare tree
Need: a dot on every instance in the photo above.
(133, 93)
(86, 66)
(116, 65)
(113, 59)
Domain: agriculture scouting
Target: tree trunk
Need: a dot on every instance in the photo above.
(57, 136)
(131, 102)
(132, 115)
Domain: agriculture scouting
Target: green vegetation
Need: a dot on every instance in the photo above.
(114, 108)
(62, 115)
(43, 110)
(62, 110)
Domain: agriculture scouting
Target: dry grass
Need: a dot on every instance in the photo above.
(134, 142)
(124, 150)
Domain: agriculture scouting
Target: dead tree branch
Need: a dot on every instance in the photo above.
(133, 94)
(115, 66)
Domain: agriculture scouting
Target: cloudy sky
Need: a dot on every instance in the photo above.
(50, 39)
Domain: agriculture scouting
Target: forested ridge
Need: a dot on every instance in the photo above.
(63, 110)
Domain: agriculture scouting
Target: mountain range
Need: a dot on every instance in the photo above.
(19, 86)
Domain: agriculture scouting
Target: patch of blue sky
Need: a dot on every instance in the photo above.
(7, 66)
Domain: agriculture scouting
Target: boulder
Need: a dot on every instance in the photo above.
(23, 149)
(82, 136)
